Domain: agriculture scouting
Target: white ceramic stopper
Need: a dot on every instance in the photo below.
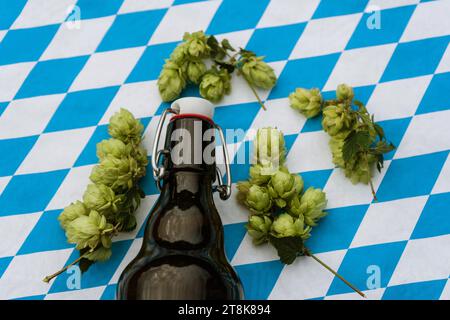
(194, 105)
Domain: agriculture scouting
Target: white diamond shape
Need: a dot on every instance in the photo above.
(342, 192)
(72, 188)
(140, 98)
(105, 69)
(430, 19)
(305, 278)
(12, 77)
(56, 150)
(360, 67)
(27, 117)
(381, 221)
(310, 152)
(15, 230)
(189, 17)
(43, 12)
(71, 42)
(426, 133)
(398, 99)
(142, 5)
(423, 260)
(324, 36)
(283, 12)
(23, 277)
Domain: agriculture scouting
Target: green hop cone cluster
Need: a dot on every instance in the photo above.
(188, 62)
(257, 72)
(279, 212)
(110, 201)
(307, 102)
(215, 84)
(357, 143)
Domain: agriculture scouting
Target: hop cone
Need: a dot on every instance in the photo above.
(258, 73)
(258, 199)
(215, 84)
(269, 149)
(258, 228)
(337, 120)
(171, 81)
(285, 225)
(71, 212)
(124, 126)
(307, 102)
(283, 186)
(196, 44)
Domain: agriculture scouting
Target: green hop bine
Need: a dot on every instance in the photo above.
(281, 213)
(187, 64)
(110, 201)
(357, 142)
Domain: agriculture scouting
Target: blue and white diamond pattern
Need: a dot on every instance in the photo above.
(59, 84)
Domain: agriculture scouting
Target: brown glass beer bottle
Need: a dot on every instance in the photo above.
(182, 254)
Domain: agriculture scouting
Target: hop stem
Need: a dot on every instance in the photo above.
(50, 277)
(309, 254)
(373, 190)
(255, 93)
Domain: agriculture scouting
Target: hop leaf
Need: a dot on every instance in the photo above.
(112, 147)
(283, 186)
(307, 102)
(258, 199)
(86, 231)
(124, 126)
(269, 149)
(99, 254)
(215, 84)
(171, 81)
(71, 212)
(258, 228)
(258, 73)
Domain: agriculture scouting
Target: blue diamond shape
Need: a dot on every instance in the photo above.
(354, 266)
(109, 293)
(234, 233)
(47, 224)
(228, 119)
(394, 131)
(258, 279)
(437, 96)
(234, 15)
(316, 179)
(416, 58)
(30, 192)
(150, 64)
(241, 164)
(94, 9)
(13, 152)
(3, 106)
(337, 229)
(434, 220)
(392, 24)
(131, 30)
(50, 77)
(427, 290)
(22, 45)
(275, 43)
(99, 274)
(306, 73)
(329, 8)
(4, 263)
(410, 177)
(81, 109)
(9, 11)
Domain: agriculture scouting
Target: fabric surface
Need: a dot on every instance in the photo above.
(62, 78)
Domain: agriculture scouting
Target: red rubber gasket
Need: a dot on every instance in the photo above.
(192, 115)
